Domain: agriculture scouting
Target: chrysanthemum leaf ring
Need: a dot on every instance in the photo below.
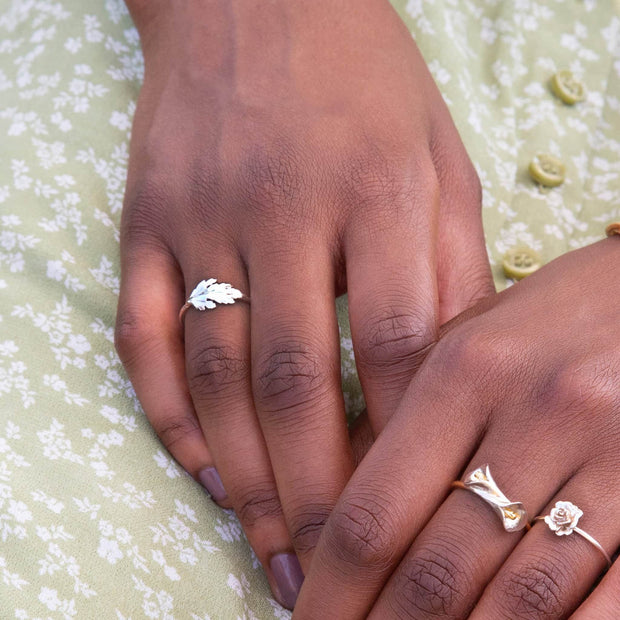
(209, 293)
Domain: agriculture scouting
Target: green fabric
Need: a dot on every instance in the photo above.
(95, 517)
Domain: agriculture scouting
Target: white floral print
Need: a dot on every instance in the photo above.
(96, 518)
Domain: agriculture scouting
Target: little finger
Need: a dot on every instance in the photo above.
(604, 602)
(149, 342)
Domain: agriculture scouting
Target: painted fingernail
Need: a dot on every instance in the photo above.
(211, 481)
(289, 577)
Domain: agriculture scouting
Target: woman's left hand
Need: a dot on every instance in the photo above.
(526, 382)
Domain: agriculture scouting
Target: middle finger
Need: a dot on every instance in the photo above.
(296, 384)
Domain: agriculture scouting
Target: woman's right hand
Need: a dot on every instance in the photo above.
(526, 382)
(296, 150)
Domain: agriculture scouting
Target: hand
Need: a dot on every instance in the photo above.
(295, 150)
(526, 382)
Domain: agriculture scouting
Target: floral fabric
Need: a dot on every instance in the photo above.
(96, 519)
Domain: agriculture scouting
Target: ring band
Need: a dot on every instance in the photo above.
(480, 482)
(563, 520)
(209, 293)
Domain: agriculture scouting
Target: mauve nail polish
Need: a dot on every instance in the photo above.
(287, 573)
(210, 480)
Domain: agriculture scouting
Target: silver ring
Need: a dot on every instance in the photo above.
(209, 293)
(563, 520)
(480, 482)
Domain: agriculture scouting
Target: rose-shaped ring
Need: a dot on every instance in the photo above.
(209, 293)
(563, 520)
(480, 482)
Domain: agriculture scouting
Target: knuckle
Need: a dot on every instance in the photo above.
(477, 353)
(590, 385)
(272, 178)
(464, 177)
(175, 429)
(204, 190)
(392, 337)
(361, 534)
(290, 375)
(306, 525)
(257, 504)
(456, 171)
(215, 368)
(374, 178)
(477, 282)
(467, 176)
(144, 221)
(132, 335)
(535, 591)
(371, 180)
(430, 583)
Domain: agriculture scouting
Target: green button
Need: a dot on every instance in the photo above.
(521, 261)
(547, 170)
(567, 87)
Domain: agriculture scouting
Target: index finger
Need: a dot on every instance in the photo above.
(394, 492)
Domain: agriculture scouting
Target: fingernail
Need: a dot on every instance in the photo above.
(211, 481)
(289, 577)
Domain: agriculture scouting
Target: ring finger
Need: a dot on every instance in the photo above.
(548, 575)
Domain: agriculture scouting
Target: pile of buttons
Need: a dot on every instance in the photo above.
(547, 171)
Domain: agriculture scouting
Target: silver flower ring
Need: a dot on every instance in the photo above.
(563, 520)
(480, 482)
(209, 293)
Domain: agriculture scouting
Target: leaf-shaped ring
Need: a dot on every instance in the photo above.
(209, 293)
(480, 482)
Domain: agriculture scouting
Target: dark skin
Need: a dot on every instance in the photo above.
(295, 155)
(299, 156)
(526, 381)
